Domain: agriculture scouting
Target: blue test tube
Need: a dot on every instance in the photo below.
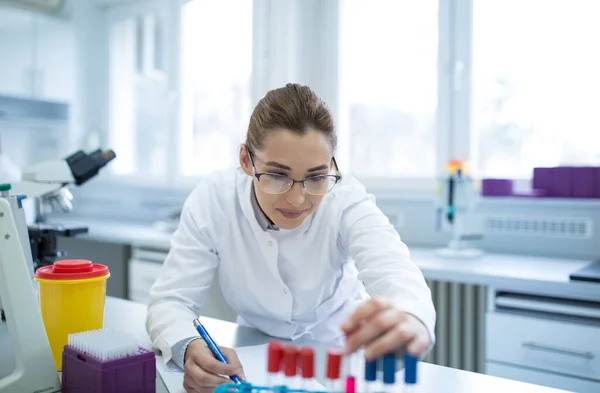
(371, 376)
(389, 372)
(410, 372)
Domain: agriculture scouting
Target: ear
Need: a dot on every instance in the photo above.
(245, 161)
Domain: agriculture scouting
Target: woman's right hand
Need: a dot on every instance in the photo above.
(203, 372)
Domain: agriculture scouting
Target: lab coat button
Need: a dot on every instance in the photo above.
(270, 243)
(285, 291)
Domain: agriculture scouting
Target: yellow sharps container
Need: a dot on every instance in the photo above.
(72, 295)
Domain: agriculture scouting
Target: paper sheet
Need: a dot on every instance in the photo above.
(253, 359)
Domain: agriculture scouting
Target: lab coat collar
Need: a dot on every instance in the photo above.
(249, 204)
(264, 221)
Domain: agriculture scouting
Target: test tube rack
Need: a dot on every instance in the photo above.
(275, 364)
(246, 387)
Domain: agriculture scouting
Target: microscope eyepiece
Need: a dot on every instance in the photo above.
(85, 166)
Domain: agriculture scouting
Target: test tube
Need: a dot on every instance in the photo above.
(410, 373)
(307, 359)
(334, 362)
(290, 365)
(371, 376)
(274, 363)
(389, 372)
(350, 378)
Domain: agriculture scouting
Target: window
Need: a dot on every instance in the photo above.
(388, 87)
(139, 105)
(216, 70)
(536, 85)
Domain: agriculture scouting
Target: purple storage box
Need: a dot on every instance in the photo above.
(542, 179)
(562, 182)
(597, 182)
(583, 183)
(82, 373)
(496, 187)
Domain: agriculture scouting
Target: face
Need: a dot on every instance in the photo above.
(298, 157)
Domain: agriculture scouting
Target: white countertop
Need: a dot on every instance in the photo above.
(130, 316)
(517, 272)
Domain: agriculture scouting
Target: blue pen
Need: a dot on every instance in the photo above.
(213, 346)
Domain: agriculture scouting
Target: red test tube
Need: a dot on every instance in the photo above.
(290, 366)
(274, 363)
(307, 359)
(334, 364)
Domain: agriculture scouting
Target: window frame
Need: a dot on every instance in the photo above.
(275, 61)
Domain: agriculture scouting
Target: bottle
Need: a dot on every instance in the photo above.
(334, 362)
(290, 366)
(371, 376)
(410, 373)
(307, 359)
(350, 386)
(389, 372)
(274, 364)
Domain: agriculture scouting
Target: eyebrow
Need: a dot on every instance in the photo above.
(287, 168)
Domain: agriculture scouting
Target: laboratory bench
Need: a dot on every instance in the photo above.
(512, 316)
(536, 275)
(130, 316)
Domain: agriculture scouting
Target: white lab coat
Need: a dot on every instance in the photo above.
(287, 283)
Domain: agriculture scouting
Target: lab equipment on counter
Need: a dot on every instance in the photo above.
(333, 366)
(567, 182)
(334, 369)
(456, 212)
(107, 361)
(72, 295)
(582, 182)
(46, 183)
(26, 363)
(589, 273)
(307, 364)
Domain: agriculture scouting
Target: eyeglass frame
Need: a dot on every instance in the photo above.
(337, 176)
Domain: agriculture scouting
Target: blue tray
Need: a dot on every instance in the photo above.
(245, 387)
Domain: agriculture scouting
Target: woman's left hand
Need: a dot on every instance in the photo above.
(381, 328)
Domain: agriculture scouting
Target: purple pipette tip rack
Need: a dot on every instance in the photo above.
(83, 373)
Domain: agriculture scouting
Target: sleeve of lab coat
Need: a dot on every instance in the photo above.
(383, 260)
(180, 291)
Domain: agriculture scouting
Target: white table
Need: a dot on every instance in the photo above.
(129, 316)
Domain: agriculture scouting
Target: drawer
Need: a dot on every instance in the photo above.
(571, 384)
(142, 275)
(550, 345)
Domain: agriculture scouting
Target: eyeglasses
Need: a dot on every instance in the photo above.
(275, 183)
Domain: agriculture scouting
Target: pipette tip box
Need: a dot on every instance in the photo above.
(85, 371)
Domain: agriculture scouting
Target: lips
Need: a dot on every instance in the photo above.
(291, 214)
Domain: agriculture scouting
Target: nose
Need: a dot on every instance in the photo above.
(295, 196)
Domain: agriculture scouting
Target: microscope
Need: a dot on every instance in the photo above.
(45, 182)
(26, 362)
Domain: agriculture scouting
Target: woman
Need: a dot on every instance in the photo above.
(301, 250)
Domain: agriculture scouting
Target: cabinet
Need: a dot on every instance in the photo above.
(38, 53)
(543, 340)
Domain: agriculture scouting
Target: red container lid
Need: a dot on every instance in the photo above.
(72, 269)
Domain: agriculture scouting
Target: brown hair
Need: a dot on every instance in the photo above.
(293, 107)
